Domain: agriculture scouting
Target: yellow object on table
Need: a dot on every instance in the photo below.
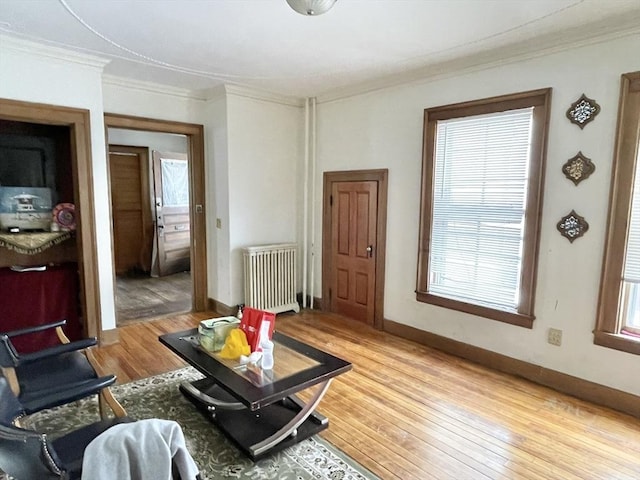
(235, 345)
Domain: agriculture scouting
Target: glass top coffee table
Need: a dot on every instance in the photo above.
(257, 409)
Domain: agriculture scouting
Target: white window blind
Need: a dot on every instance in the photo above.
(479, 204)
(632, 256)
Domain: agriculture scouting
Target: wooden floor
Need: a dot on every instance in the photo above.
(406, 411)
(140, 297)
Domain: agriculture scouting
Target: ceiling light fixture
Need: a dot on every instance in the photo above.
(311, 7)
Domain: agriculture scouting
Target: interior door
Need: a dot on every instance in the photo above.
(130, 208)
(173, 227)
(353, 246)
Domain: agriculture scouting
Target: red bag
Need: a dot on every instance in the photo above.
(257, 324)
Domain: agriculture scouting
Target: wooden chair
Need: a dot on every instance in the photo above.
(28, 454)
(56, 375)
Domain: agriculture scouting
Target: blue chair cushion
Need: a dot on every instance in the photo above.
(70, 447)
(70, 392)
(47, 374)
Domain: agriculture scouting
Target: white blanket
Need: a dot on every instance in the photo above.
(142, 450)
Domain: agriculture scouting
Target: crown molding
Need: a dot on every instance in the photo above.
(218, 92)
(246, 92)
(20, 45)
(151, 87)
(493, 58)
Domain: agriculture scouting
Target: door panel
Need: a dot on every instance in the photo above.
(354, 228)
(173, 226)
(131, 213)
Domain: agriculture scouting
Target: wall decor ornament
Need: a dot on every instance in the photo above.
(578, 168)
(582, 111)
(572, 226)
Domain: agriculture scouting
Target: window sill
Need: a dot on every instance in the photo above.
(512, 318)
(625, 343)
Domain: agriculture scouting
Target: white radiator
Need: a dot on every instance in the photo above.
(270, 277)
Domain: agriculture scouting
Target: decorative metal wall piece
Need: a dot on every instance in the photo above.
(578, 168)
(582, 111)
(572, 226)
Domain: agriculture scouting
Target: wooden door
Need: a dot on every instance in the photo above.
(173, 225)
(353, 227)
(130, 208)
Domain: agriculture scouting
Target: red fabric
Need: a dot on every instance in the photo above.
(35, 298)
(251, 323)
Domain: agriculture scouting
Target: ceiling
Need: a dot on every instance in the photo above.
(265, 45)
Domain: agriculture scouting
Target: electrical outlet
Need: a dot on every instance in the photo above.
(555, 337)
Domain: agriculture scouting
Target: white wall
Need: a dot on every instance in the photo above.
(252, 149)
(254, 158)
(265, 156)
(162, 142)
(32, 73)
(141, 99)
(147, 100)
(384, 130)
(217, 197)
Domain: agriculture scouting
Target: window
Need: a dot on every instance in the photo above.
(618, 317)
(481, 203)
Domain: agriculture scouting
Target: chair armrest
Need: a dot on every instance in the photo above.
(57, 350)
(70, 393)
(35, 328)
(106, 398)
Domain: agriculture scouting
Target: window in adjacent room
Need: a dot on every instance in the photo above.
(618, 320)
(482, 178)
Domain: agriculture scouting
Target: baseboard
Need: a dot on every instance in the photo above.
(317, 302)
(221, 308)
(577, 387)
(226, 310)
(109, 337)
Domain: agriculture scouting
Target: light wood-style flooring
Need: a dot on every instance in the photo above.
(407, 411)
(140, 297)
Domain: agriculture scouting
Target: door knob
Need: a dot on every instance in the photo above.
(370, 250)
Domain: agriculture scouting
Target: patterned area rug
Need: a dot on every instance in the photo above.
(216, 456)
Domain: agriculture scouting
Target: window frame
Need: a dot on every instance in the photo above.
(607, 330)
(540, 101)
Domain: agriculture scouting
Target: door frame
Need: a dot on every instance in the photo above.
(78, 120)
(197, 205)
(381, 177)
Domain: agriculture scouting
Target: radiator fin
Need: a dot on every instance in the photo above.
(270, 277)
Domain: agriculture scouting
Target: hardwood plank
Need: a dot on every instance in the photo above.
(407, 411)
(141, 297)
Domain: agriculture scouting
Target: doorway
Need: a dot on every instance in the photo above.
(354, 244)
(145, 290)
(81, 173)
(150, 225)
